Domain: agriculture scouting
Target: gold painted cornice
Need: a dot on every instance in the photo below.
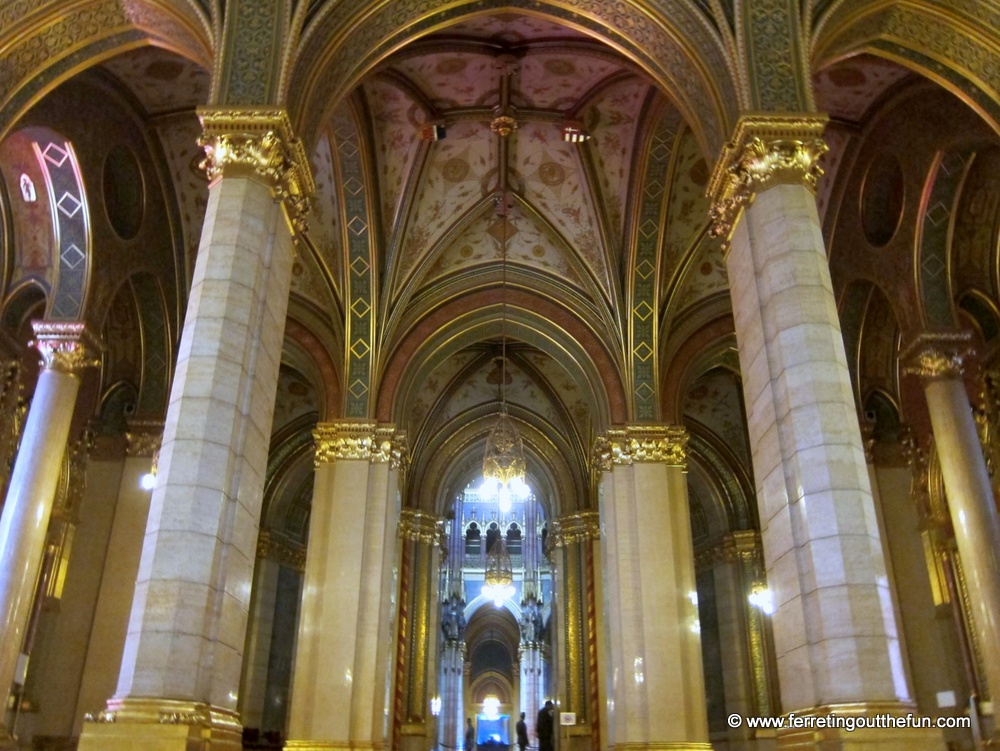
(65, 346)
(259, 143)
(937, 355)
(641, 443)
(360, 441)
(421, 527)
(765, 150)
(572, 528)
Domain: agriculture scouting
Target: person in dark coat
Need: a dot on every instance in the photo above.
(522, 733)
(470, 735)
(545, 727)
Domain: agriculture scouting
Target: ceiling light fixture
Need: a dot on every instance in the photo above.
(574, 132)
(503, 462)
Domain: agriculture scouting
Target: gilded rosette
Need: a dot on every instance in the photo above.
(65, 346)
(937, 355)
(259, 143)
(766, 150)
(641, 443)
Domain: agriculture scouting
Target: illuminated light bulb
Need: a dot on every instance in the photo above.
(503, 496)
(147, 481)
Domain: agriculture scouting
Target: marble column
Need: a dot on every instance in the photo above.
(834, 627)
(570, 539)
(737, 567)
(418, 626)
(937, 359)
(452, 722)
(656, 693)
(345, 650)
(66, 348)
(179, 682)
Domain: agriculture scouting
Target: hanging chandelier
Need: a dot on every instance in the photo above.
(503, 463)
(499, 578)
(504, 466)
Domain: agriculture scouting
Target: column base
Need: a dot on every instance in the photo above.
(333, 746)
(161, 725)
(661, 746)
(6, 742)
(882, 736)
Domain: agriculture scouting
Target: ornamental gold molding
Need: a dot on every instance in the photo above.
(168, 712)
(421, 527)
(573, 528)
(65, 346)
(641, 443)
(259, 143)
(367, 441)
(144, 437)
(766, 150)
(741, 546)
(937, 355)
(281, 551)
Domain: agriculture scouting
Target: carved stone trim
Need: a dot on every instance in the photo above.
(641, 443)
(65, 346)
(421, 527)
(937, 355)
(573, 528)
(259, 143)
(360, 441)
(765, 150)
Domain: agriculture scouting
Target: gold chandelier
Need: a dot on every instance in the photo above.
(503, 463)
(499, 578)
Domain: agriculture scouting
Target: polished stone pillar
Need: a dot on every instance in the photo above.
(451, 728)
(937, 359)
(121, 565)
(179, 681)
(66, 348)
(834, 627)
(656, 693)
(570, 539)
(344, 657)
(736, 566)
(418, 627)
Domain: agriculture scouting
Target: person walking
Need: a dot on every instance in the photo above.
(470, 735)
(545, 727)
(522, 733)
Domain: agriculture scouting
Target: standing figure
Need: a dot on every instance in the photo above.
(545, 727)
(470, 735)
(522, 733)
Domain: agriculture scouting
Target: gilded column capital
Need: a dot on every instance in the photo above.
(259, 143)
(420, 526)
(766, 150)
(641, 443)
(144, 437)
(367, 441)
(572, 528)
(281, 551)
(937, 355)
(740, 546)
(65, 346)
